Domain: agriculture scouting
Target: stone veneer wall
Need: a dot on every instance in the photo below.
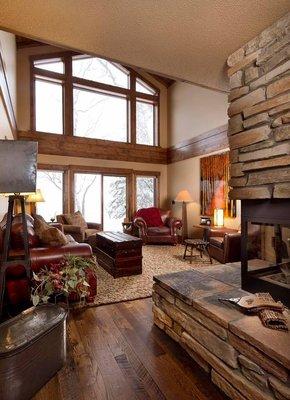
(259, 111)
(235, 366)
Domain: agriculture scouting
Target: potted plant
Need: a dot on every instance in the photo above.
(66, 279)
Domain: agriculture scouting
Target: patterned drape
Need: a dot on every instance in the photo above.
(214, 185)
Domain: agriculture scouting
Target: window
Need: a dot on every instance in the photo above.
(93, 113)
(115, 202)
(52, 64)
(146, 188)
(142, 87)
(101, 198)
(94, 98)
(88, 200)
(48, 106)
(145, 123)
(100, 70)
(51, 185)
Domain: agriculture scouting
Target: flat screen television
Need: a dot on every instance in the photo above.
(18, 166)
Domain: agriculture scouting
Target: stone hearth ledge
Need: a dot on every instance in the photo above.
(244, 359)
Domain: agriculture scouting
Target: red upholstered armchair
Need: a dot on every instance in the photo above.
(156, 226)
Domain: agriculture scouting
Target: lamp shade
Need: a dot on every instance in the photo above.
(218, 217)
(183, 197)
(36, 197)
(18, 161)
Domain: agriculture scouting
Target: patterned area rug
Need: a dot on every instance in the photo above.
(157, 260)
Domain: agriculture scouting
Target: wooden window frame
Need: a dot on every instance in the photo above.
(131, 175)
(65, 181)
(69, 82)
(148, 174)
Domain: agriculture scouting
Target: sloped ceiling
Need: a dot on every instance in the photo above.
(185, 39)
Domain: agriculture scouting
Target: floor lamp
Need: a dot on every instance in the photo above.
(16, 179)
(184, 198)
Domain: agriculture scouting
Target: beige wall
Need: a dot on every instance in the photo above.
(60, 160)
(8, 52)
(23, 98)
(194, 110)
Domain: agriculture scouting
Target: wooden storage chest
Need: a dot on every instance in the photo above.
(118, 253)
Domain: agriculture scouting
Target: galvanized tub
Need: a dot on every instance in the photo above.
(32, 350)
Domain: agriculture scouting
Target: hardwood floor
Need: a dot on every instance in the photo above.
(115, 352)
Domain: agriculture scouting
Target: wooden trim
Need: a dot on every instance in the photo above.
(46, 75)
(57, 54)
(52, 167)
(32, 98)
(68, 97)
(74, 146)
(205, 143)
(99, 170)
(133, 105)
(6, 98)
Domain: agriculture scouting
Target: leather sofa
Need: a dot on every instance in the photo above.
(156, 226)
(224, 244)
(78, 233)
(17, 284)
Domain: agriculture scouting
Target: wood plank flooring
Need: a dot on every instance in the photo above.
(115, 352)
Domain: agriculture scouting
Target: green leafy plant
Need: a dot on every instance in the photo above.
(63, 278)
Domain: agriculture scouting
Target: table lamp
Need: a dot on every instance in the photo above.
(34, 198)
(184, 197)
(218, 218)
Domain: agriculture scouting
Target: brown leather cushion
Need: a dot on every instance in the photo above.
(90, 232)
(17, 232)
(76, 219)
(47, 234)
(158, 231)
(217, 241)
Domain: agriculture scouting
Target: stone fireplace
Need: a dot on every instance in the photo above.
(259, 139)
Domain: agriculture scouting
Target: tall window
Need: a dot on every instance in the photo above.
(51, 185)
(91, 97)
(88, 196)
(146, 191)
(101, 198)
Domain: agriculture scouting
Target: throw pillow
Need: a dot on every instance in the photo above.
(151, 216)
(48, 234)
(76, 219)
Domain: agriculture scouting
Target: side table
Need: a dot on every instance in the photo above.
(199, 244)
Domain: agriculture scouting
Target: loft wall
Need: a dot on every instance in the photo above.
(193, 111)
(8, 56)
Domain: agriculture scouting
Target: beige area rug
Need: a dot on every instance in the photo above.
(157, 260)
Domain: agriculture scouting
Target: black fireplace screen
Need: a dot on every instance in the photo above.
(266, 247)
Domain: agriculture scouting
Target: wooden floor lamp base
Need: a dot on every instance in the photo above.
(6, 261)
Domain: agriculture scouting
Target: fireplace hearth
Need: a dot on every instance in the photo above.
(265, 254)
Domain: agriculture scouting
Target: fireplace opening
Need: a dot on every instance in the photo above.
(265, 251)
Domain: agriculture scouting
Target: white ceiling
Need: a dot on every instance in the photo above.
(185, 39)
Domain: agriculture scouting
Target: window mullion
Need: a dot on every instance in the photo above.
(132, 107)
(68, 97)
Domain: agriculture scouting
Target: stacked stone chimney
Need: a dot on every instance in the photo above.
(259, 115)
